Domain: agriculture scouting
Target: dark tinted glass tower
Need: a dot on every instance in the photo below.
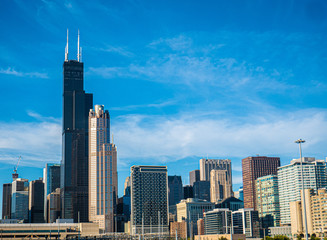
(6, 201)
(175, 189)
(36, 202)
(74, 166)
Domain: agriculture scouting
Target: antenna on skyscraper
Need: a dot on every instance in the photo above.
(66, 49)
(78, 49)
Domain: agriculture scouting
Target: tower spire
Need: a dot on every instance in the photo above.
(66, 49)
(78, 48)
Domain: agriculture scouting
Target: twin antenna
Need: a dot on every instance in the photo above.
(79, 49)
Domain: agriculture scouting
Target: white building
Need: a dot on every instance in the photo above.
(290, 182)
(102, 170)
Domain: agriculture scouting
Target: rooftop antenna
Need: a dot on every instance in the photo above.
(78, 49)
(66, 49)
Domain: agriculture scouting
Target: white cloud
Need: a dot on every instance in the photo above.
(12, 71)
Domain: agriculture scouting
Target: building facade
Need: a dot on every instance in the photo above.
(201, 190)
(188, 192)
(103, 183)
(290, 182)
(194, 176)
(206, 165)
(220, 185)
(36, 201)
(268, 201)
(253, 168)
(19, 199)
(218, 221)
(74, 170)
(53, 206)
(175, 189)
(149, 199)
(246, 221)
(6, 201)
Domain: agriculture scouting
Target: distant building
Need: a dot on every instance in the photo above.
(6, 201)
(200, 224)
(241, 195)
(281, 231)
(201, 190)
(217, 221)
(36, 201)
(194, 176)
(191, 210)
(103, 183)
(19, 200)
(188, 192)
(268, 201)
(53, 206)
(231, 203)
(175, 189)
(149, 199)
(51, 179)
(253, 168)
(290, 182)
(246, 221)
(319, 210)
(180, 228)
(220, 185)
(206, 165)
(127, 186)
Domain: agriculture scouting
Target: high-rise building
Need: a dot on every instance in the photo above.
(51, 179)
(36, 201)
(252, 168)
(246, 221)
(149, 199)
(19, 199)
(53, 206)
(103, 183)
(290, 182)
(192, 210)
(231, 203)
(188, 192)
(74, 170)
(127, 186)
(201, 190)
(217, 221)
(194, 176)
(319, 210)
(220, 185)
(175, 189)
(268, 201)
(6, 201)
(206, 165)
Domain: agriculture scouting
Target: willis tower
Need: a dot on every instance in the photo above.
(74, 170)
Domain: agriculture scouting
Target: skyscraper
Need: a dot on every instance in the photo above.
(201, 190)
(6, 201)
(220, 185)
(194, 176)
(36, 201)
(206, 165)
(51, 179)
(19, 199)
(149, 199)
(175, 189)
(103, 184)
(252, 168)
(290, 182)
(74, 170)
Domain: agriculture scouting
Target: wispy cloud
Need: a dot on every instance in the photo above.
(150, 105)
(116, 49)
(12, 71)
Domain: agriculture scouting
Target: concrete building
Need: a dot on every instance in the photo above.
(103, 183)
(175, 189)
(217, 221)
(53, 206)
(319, 212)
(201, 190)
(194, 176)
(290, 182)
(180, 228)
(246, 221)
(6, 201)
(36, 201)
(191, 210)
(51, 179)
(206, 165)
(19, 199)
(268, 201)
(281, 231)
(296, 218)
(200, 224)
(253, 168)
(149, 199)
(220, 185)
(74, 170)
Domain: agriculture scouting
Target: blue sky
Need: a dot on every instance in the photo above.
(182, 79)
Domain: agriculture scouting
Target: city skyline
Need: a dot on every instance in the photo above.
(178, 88)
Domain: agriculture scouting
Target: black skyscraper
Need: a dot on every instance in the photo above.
(74, 168)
